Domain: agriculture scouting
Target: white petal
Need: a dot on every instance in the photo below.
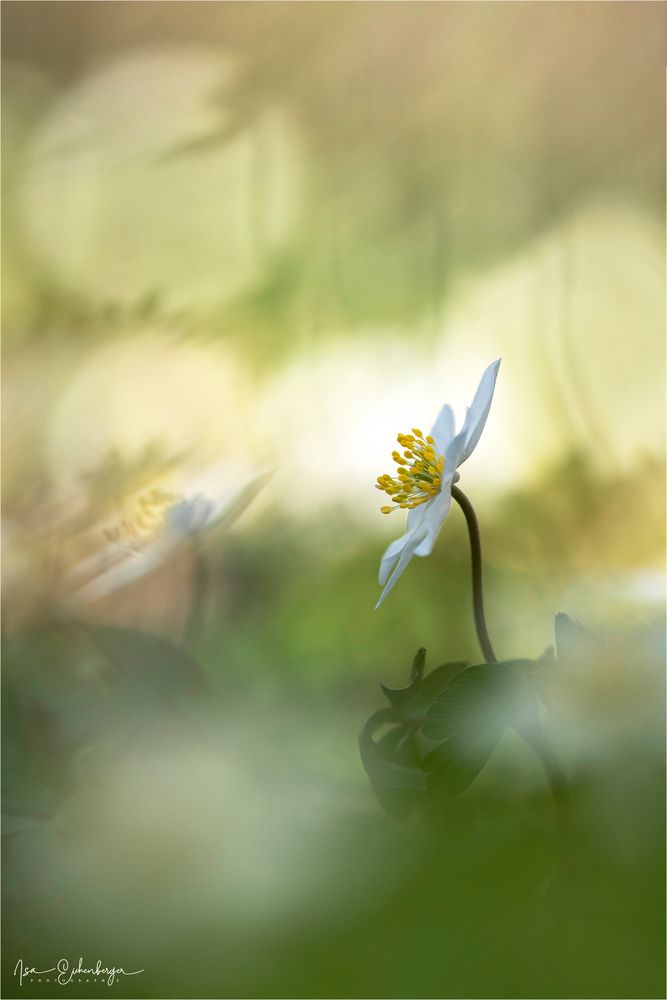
(415, 522)
(416, 517)
(227, 502)
(443, 428)
(476, 415)
(133, 567)
(389, 558)
(453, 453)
(424, 523)
(189, 516)
(438, 511)
(405, 557)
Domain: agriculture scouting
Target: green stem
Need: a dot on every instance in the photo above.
(534, 736)
(540, 745)
(200, 581)
(477, 587)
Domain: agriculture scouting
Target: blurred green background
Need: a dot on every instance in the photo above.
(243, 238)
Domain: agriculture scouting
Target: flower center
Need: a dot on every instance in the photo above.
(143, 518)
(419, 474)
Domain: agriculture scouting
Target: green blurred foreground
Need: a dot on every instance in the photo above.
(212, 824)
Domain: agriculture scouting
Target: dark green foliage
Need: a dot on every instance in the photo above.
(74, 692)
(447, 724)
(400, 698)
(467, 721)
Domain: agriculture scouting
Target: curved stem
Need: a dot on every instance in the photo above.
(477, 589)
(533, 735)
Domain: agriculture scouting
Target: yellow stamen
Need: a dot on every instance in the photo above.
(418, 476)
(144, 516)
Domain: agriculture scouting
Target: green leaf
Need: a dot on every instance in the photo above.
(398, 745)
(380, 768)
(413, 701)
(399, 698)
(454, 765)
(471, 715)
(469, 720)
(573, 640)
(433, 685)
(469, 704)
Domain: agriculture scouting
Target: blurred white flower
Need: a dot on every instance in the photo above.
(425, 476)
(154, 525)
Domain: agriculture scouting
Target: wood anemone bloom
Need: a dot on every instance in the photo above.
(426, 472)
(153, 528)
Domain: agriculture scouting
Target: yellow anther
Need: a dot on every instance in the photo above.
(418, 476)
(143, 516)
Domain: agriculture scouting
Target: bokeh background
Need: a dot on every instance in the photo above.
(244, 245)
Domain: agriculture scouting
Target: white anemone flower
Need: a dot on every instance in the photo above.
(425, 476)
(155, 524)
